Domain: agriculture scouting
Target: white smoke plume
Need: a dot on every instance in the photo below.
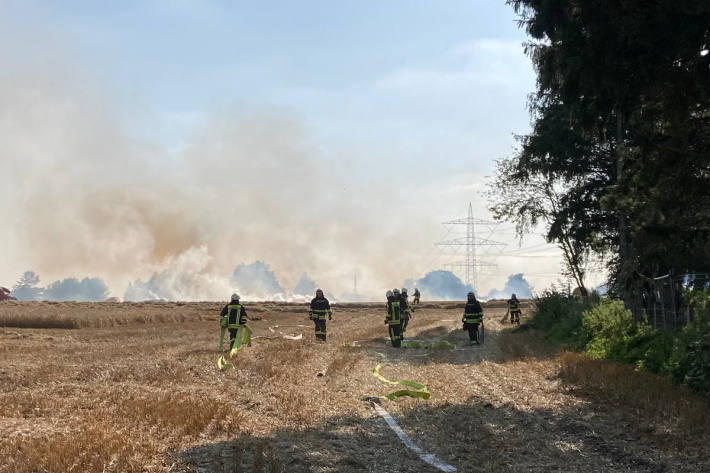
(305, 286)
(516, 284)
(81, 196)
(256, 278)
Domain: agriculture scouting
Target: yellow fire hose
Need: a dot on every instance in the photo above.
(413, 389)
(243, 338)
(419, 391)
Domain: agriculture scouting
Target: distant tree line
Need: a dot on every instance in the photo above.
(617, 165)
(70, 289)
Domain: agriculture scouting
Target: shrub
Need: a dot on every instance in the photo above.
(607, 324)
(613, 334)
(690, 360)
(607, 330)
(560, 318)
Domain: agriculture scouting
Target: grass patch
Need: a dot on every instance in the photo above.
(38, 321)
(93, 448)
(342, 362)
(673, 415)
(120, 432)
(522, 342)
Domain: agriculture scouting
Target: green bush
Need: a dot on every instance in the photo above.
(614, 335)
(690, 360)
(560, 318)
(607, 325)
(656, 349)
(607, 330)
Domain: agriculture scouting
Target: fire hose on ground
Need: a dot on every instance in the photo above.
(242, 338)
(413, 389)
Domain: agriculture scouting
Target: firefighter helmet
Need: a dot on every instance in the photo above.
(235, 297)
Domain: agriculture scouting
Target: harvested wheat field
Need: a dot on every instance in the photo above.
(135, 386)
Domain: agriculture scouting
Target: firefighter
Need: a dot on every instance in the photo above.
(472, 317)
(514, 309)
(394, 318)
(320, 307)
(416, 296)
(233, 317)
(405, 309)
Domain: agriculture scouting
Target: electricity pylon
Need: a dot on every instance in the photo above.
(470, 242)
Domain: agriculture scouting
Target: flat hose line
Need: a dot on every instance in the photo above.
(243, 338)
(407, 441)
(416, 390)
(412, 388)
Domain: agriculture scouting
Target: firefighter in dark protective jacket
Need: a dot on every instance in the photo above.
(320, 308)
(233, 315)
(417, 295)
(394, 318)
(514, 309)
(472, 318)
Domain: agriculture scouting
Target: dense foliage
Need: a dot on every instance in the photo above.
(618, 161)
(607, 330)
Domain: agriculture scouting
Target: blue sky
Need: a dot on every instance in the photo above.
(352, 71)
(402, 106)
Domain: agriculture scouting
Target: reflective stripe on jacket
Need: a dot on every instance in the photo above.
(473, 318)
(235, 316)
(473, 313)
(320, 308)
(394, 316)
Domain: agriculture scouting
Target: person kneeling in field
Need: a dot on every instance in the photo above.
(320, 307)
(232, 317)
(472, 317)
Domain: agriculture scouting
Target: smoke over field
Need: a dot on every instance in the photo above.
(516, 284)
(86, 198)
(441, 286)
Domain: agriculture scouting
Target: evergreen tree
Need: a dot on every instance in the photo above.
(621, 136)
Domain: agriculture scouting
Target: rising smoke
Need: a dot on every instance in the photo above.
(186, 277)
(445, 285)
(256, 279)
(86, 198)
(71, 289)
(441, 286)
(516, 284)
(305, 286)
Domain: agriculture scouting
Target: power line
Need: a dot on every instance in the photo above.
(470, 243)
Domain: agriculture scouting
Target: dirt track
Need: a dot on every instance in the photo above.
(296, 405)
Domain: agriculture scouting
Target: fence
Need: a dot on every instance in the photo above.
(660, 300)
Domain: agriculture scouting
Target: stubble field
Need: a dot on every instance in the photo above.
(135, 387)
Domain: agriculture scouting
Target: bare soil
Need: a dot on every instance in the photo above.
(135, 387)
